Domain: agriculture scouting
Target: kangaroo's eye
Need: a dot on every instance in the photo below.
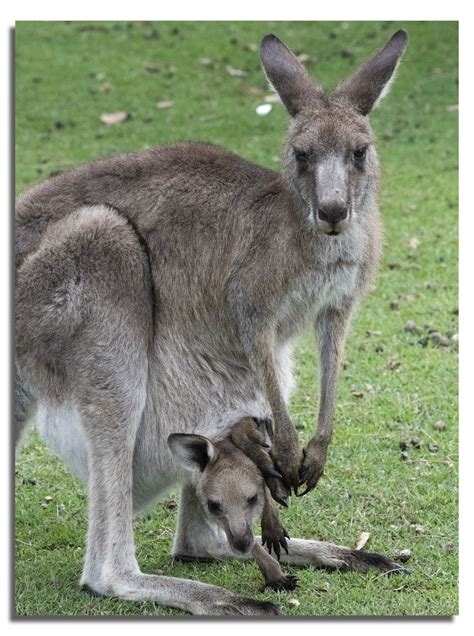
(252, 500)
(214, 507)
(359, 154)
(301, 156)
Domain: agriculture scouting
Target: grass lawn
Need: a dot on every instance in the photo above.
(396, 384)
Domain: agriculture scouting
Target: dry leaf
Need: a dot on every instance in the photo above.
(205, 61)
(114, 118)
(236, 72)
(439, 339)
(150, 68)
(362, 540)
(439, 426)
(372, 332)
(106, 87)
(413, 243)
(271, 99)
(412, 326)
(393, 365)
(357, 394)
(304, 58)
(452, 108)
(253, 91)
(419, 529)
(165, 103)
(294, 601)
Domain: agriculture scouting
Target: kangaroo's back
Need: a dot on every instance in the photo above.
(183, 186)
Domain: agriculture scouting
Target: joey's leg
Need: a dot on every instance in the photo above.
(274, 534)
(331, 329)
(274, 576)
(320, 554)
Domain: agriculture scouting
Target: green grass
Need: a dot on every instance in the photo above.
(406, 387)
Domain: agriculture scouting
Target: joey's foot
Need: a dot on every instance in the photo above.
(285, 583)
(312, 466)
(240, 606)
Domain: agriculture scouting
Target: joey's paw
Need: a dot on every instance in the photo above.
(241, 606)
(285, 583)
(312, 466)
(274, 537)
(278, 490)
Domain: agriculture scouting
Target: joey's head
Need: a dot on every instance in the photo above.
(229, 485)
(329, 157)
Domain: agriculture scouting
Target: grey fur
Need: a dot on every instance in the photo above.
(159, 292)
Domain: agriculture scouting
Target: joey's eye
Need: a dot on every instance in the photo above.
(301, 156)
(252, 500)
(214, 507)
(359, 154)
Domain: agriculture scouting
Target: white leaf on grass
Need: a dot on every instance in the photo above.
(263, 109)
(362, 540)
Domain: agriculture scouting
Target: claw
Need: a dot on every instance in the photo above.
(302, 473)
(284, 545)
(272, 472)
(305, 492)
(282, 502)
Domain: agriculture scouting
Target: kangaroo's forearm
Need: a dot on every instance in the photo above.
(331, 330)
(267, 374)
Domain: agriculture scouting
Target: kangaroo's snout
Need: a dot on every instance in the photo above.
(333, 211)
(333, 217)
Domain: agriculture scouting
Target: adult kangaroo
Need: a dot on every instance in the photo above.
(159, 292)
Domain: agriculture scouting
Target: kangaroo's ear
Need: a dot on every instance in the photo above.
(287, 75)
(372, 81)
(194, 452)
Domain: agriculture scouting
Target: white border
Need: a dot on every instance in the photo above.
(266, 10)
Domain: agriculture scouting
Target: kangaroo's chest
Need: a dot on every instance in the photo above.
(330, 286)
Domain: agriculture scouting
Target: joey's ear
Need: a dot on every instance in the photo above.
(371, 82)
(192, 451)
(287, 75)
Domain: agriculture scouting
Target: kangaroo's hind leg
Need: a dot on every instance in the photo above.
(89, 343)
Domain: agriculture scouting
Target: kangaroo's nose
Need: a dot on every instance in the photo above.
(332, 212)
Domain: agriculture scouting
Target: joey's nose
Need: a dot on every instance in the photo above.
(241, 544)
(332, 212)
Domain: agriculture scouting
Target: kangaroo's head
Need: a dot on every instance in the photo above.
(229, 485)
(329, 157)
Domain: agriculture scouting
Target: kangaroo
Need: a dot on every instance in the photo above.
(231, 488)
(160, 292)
